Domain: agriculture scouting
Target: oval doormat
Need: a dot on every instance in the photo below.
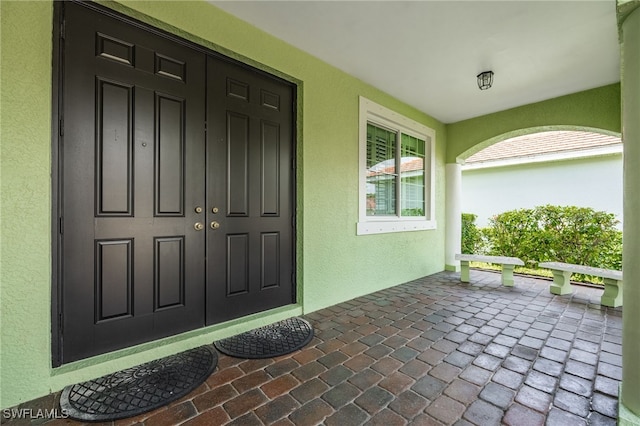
(139, 389)
(273, 340)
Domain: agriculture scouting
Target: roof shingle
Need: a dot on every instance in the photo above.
(543, 143)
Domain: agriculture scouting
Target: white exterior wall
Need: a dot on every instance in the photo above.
(594, 182)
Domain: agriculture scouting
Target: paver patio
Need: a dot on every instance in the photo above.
(429, 352)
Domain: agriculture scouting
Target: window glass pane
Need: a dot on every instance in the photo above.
(381, 149)
(381, 171)
(412, 176)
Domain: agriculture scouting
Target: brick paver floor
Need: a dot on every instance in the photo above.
(429, 352)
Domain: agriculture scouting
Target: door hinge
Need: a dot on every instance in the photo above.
(63, 28)
(61, 126)
(61, 225)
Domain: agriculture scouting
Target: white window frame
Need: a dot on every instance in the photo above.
(371, 112)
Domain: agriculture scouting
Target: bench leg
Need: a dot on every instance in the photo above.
(507, 275)
(561, 282)
(464, 271)
(612, 295)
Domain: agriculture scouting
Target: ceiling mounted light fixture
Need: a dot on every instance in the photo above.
(485, 80)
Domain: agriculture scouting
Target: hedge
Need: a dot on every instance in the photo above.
(471, 235)
(578, 235)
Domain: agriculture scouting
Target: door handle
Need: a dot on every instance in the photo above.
(215, 225)
(198, 226)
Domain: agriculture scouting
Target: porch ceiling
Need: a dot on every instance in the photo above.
(428, 53)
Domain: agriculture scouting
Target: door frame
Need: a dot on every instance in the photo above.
(57, 138)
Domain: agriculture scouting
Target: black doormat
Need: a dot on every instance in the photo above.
(139, 389)
(269, 341)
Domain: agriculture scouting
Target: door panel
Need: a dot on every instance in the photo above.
(114, 279)
(169, 263)
(250, 181)
(169, 188)
(237, 147)
(237, 257)
(114, 155)
(270, 169)
(133, 171)
(270, 260)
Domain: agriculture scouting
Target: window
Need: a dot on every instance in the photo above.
(396, 172)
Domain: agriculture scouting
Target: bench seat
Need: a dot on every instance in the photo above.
(612, 295)
(508, 263)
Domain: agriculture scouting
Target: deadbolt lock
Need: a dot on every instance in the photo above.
(198, 209)
(198, 226)
(215, 225)
(215, 210)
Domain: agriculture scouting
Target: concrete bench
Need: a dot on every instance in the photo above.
(612, 295)
(508, 263)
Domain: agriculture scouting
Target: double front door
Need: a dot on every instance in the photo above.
(176, 186)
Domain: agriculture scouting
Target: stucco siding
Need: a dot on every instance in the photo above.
(588, 182)
(596, 109)
(25, 199)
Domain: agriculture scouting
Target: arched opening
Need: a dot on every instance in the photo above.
(556, 166)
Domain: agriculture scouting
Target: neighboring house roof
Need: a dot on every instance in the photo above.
(545, 146)
(408, 164)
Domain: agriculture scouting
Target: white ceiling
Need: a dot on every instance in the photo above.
(428, 53)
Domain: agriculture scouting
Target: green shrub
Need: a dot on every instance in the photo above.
(413, 212)
(471, 235)
(570, 234)
(512, 233)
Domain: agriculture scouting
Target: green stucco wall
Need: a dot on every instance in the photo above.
(25, 203)
(334, 264)
(630, 388)
(596, 109)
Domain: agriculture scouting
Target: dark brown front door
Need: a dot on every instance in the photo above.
(250, 254)
(143, 184)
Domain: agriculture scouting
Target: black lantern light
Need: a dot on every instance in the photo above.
(485, 80)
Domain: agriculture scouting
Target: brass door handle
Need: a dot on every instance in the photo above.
(215, 225)
(198, 226)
